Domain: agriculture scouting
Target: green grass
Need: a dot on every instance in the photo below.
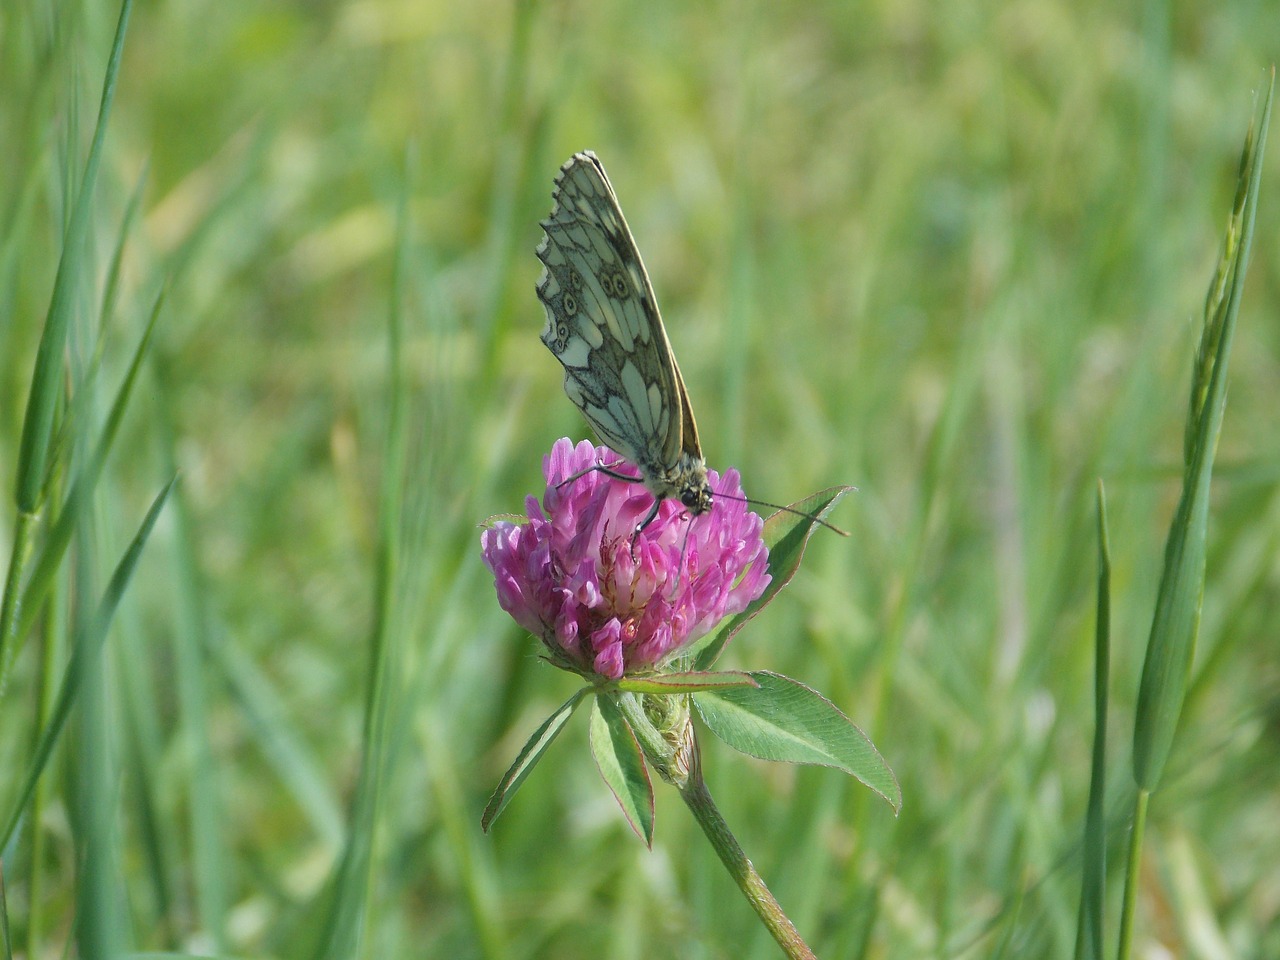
(954, 255)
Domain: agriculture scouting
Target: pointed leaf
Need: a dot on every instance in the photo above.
(1090, 924)
(46, 390)
(55, 547)
(785, 534)
(88, 643)
(1176, 622)
(532, 752)
(46, 380)
(782, 719)
(687, 682)
(621, 764)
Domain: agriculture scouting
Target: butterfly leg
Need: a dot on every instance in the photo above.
(653, 512)
(607, 471)
(617, 476)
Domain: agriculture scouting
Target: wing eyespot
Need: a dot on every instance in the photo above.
(604, 328)
(614, 283)
(561, 342)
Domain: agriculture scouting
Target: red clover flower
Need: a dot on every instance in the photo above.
(606, 602)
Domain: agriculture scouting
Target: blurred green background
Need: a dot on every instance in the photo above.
(953, 254)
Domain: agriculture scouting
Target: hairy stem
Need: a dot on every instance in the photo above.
(698, 798)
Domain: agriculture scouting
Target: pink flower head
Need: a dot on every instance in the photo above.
(568, 574)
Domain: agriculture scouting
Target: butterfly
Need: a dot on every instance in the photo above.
(603, 325)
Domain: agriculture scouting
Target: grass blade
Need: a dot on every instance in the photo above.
(46, 383)
(6, 939)
(46, 380)
(46, 567)
(349, 895)
(84, 657)
(1175, 625)
(1093, 883)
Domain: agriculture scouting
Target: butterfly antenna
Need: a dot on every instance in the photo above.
(778, 506)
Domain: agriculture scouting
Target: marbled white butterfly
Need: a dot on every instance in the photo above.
(603, 325)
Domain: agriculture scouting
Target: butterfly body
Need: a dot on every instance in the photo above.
(603, 325)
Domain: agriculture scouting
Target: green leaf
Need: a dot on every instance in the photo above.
(6, 938)
(687, 682)
(1176, 623)
(532, 752)
(46, 380)
(785, 534)
(1093, 873)
(345, 911)
(46, 389)
(782, 719)
(620, 762)
(55, 547)
(84, 657)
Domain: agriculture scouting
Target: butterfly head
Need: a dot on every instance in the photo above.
(686, 483)
(695, 493)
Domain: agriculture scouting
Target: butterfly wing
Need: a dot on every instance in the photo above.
(603, 324)
(689, 429)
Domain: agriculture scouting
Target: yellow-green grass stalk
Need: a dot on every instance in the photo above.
(1175, 625)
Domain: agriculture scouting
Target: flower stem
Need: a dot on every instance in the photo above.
(676, 758)
(698, 798)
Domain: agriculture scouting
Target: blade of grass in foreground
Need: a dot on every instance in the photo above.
(44, 572)
(88, 644)
(1171, 646)
(347, 897)
(1177, 617)
(200, 774)
(6, 940)
(46, 380)
(46, 567)
(1093, 883)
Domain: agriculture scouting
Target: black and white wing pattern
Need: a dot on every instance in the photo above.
(603, 325)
